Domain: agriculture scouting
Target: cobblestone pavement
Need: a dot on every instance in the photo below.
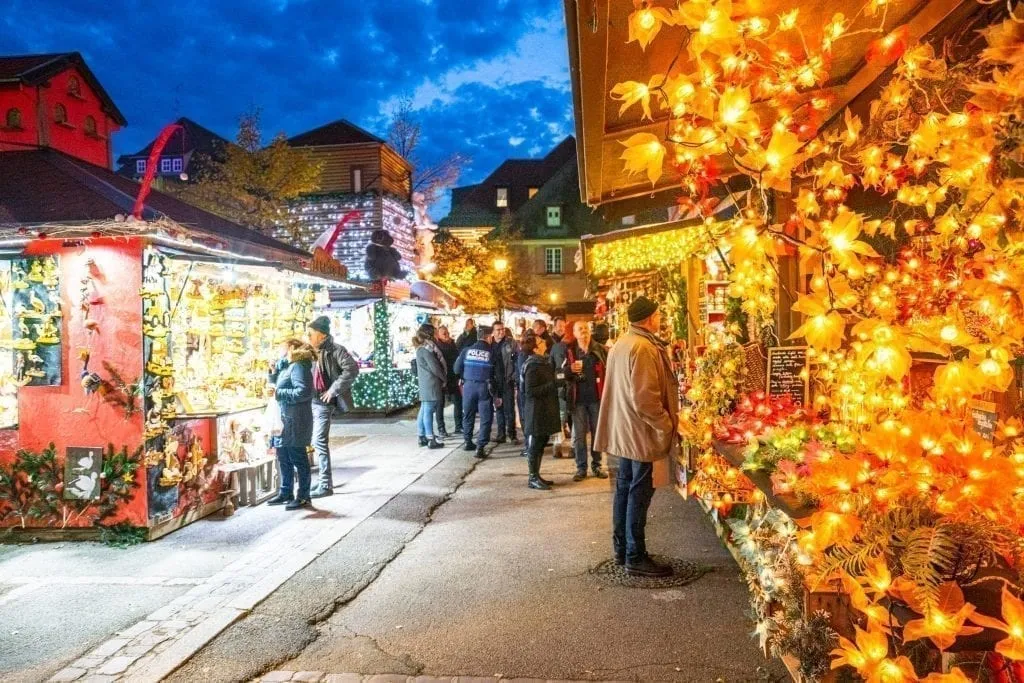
(157, 644)
(321, 677)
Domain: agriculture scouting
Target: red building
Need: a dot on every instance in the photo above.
(54, 100)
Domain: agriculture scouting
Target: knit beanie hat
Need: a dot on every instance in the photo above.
(321, 325)
(641, 309)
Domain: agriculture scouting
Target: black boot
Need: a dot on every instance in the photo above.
(481, 453)
(435, 444)
(443, 433)
(469, 446)
(423, 441)
(535, 481)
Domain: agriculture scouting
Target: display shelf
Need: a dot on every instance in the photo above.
(733, 454)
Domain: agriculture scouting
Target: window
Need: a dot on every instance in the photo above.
(60, 114)
(74, 87)
(553, 260)
(357, 180)
(532, 191)
(13, 118)
(165, 165)
(176, 165)
(140, 166)
(502, 198)
(90, 125)
(554, 216)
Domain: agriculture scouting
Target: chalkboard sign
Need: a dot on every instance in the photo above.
(786, 372)
(985, 416)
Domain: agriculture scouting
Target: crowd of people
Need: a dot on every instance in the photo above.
(619, 400)
(563, 383)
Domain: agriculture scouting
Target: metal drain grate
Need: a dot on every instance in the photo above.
(683, 572)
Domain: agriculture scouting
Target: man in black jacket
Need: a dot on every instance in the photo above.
(468, 336)
(451, 390)
(334, 373)
(505, 351)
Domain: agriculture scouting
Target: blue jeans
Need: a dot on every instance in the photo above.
(477, 396)
(634, 488)
(506, 414)
(584, 421)
(322, 442)
(425, 419)
(293, 459)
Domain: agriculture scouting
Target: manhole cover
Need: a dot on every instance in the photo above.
(683, 572)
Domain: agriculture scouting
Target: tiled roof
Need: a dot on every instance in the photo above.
(340, 132)
(38, 69)
(46, 186)
(476, 205)
(191, 137)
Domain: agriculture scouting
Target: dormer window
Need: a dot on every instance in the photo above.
(60, 114)
(502, 198)
(554, 216)
(90, 126)
(74, 87)
(532, 191)
(140, 166)
(13, 118)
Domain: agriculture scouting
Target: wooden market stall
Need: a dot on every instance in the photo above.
(852, 411)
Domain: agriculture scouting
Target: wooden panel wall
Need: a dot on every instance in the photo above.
(339, 160)
(396, 174)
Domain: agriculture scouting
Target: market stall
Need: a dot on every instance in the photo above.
(134, 384)
(854, 431)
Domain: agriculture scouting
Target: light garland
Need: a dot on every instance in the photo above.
(656, 250)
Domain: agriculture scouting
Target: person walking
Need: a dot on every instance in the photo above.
(431, 374)
(585, 375)
(479, 367)
(468, 336)
(334, 373)
(451, 388)
(540, 407)
(638, 422)
(292, 378)
(505, 351)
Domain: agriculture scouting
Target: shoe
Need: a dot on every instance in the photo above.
(546, 481)
(620, 560)
(580, 475)
(469, 446)
(480, 453)
(435, 444)
(599, 473)
(298, 504)
(280, 499)
(501, 440)
(538, 484)
(443, 433)
(423, 441)
(649, 568)
(321, 493)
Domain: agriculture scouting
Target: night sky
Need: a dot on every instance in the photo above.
(488, 78)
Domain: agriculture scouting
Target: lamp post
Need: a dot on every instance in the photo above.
(500, 266)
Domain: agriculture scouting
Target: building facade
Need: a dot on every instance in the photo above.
(360, 173)
(54, 101)
(181, 156)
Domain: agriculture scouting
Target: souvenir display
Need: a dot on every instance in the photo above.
(37, 319)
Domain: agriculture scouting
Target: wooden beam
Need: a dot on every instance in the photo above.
(587, 22)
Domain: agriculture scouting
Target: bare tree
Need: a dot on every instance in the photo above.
(404, 137)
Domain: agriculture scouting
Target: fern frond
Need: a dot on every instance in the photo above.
(929, 560)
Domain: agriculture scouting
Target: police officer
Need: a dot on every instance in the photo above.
(480, 367)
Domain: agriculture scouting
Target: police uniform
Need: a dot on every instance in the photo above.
(477, 365)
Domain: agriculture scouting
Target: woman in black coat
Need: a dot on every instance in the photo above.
(293, 389)
(540, 406)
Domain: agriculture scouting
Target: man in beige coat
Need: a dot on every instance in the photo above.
(638, 423)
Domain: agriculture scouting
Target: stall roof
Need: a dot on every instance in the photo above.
(63, 196)
(599, 57)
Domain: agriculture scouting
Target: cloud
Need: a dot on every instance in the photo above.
(516, 141)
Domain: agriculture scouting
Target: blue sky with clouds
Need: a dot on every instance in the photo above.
(488, 78)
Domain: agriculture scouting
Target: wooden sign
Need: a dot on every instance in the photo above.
(787, 372)
(985, 416)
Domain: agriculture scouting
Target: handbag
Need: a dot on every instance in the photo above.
(272, 422)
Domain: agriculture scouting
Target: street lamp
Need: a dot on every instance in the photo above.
(500, 266)
(553, 296)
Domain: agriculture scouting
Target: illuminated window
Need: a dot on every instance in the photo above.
(502, 197)
(165, 165)
(177, 165)
(13, 119)
(74, 87)
(140, 166)
(533, 191)
(555, 217)
(89, 125)
(553, 260)
(60, 113)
